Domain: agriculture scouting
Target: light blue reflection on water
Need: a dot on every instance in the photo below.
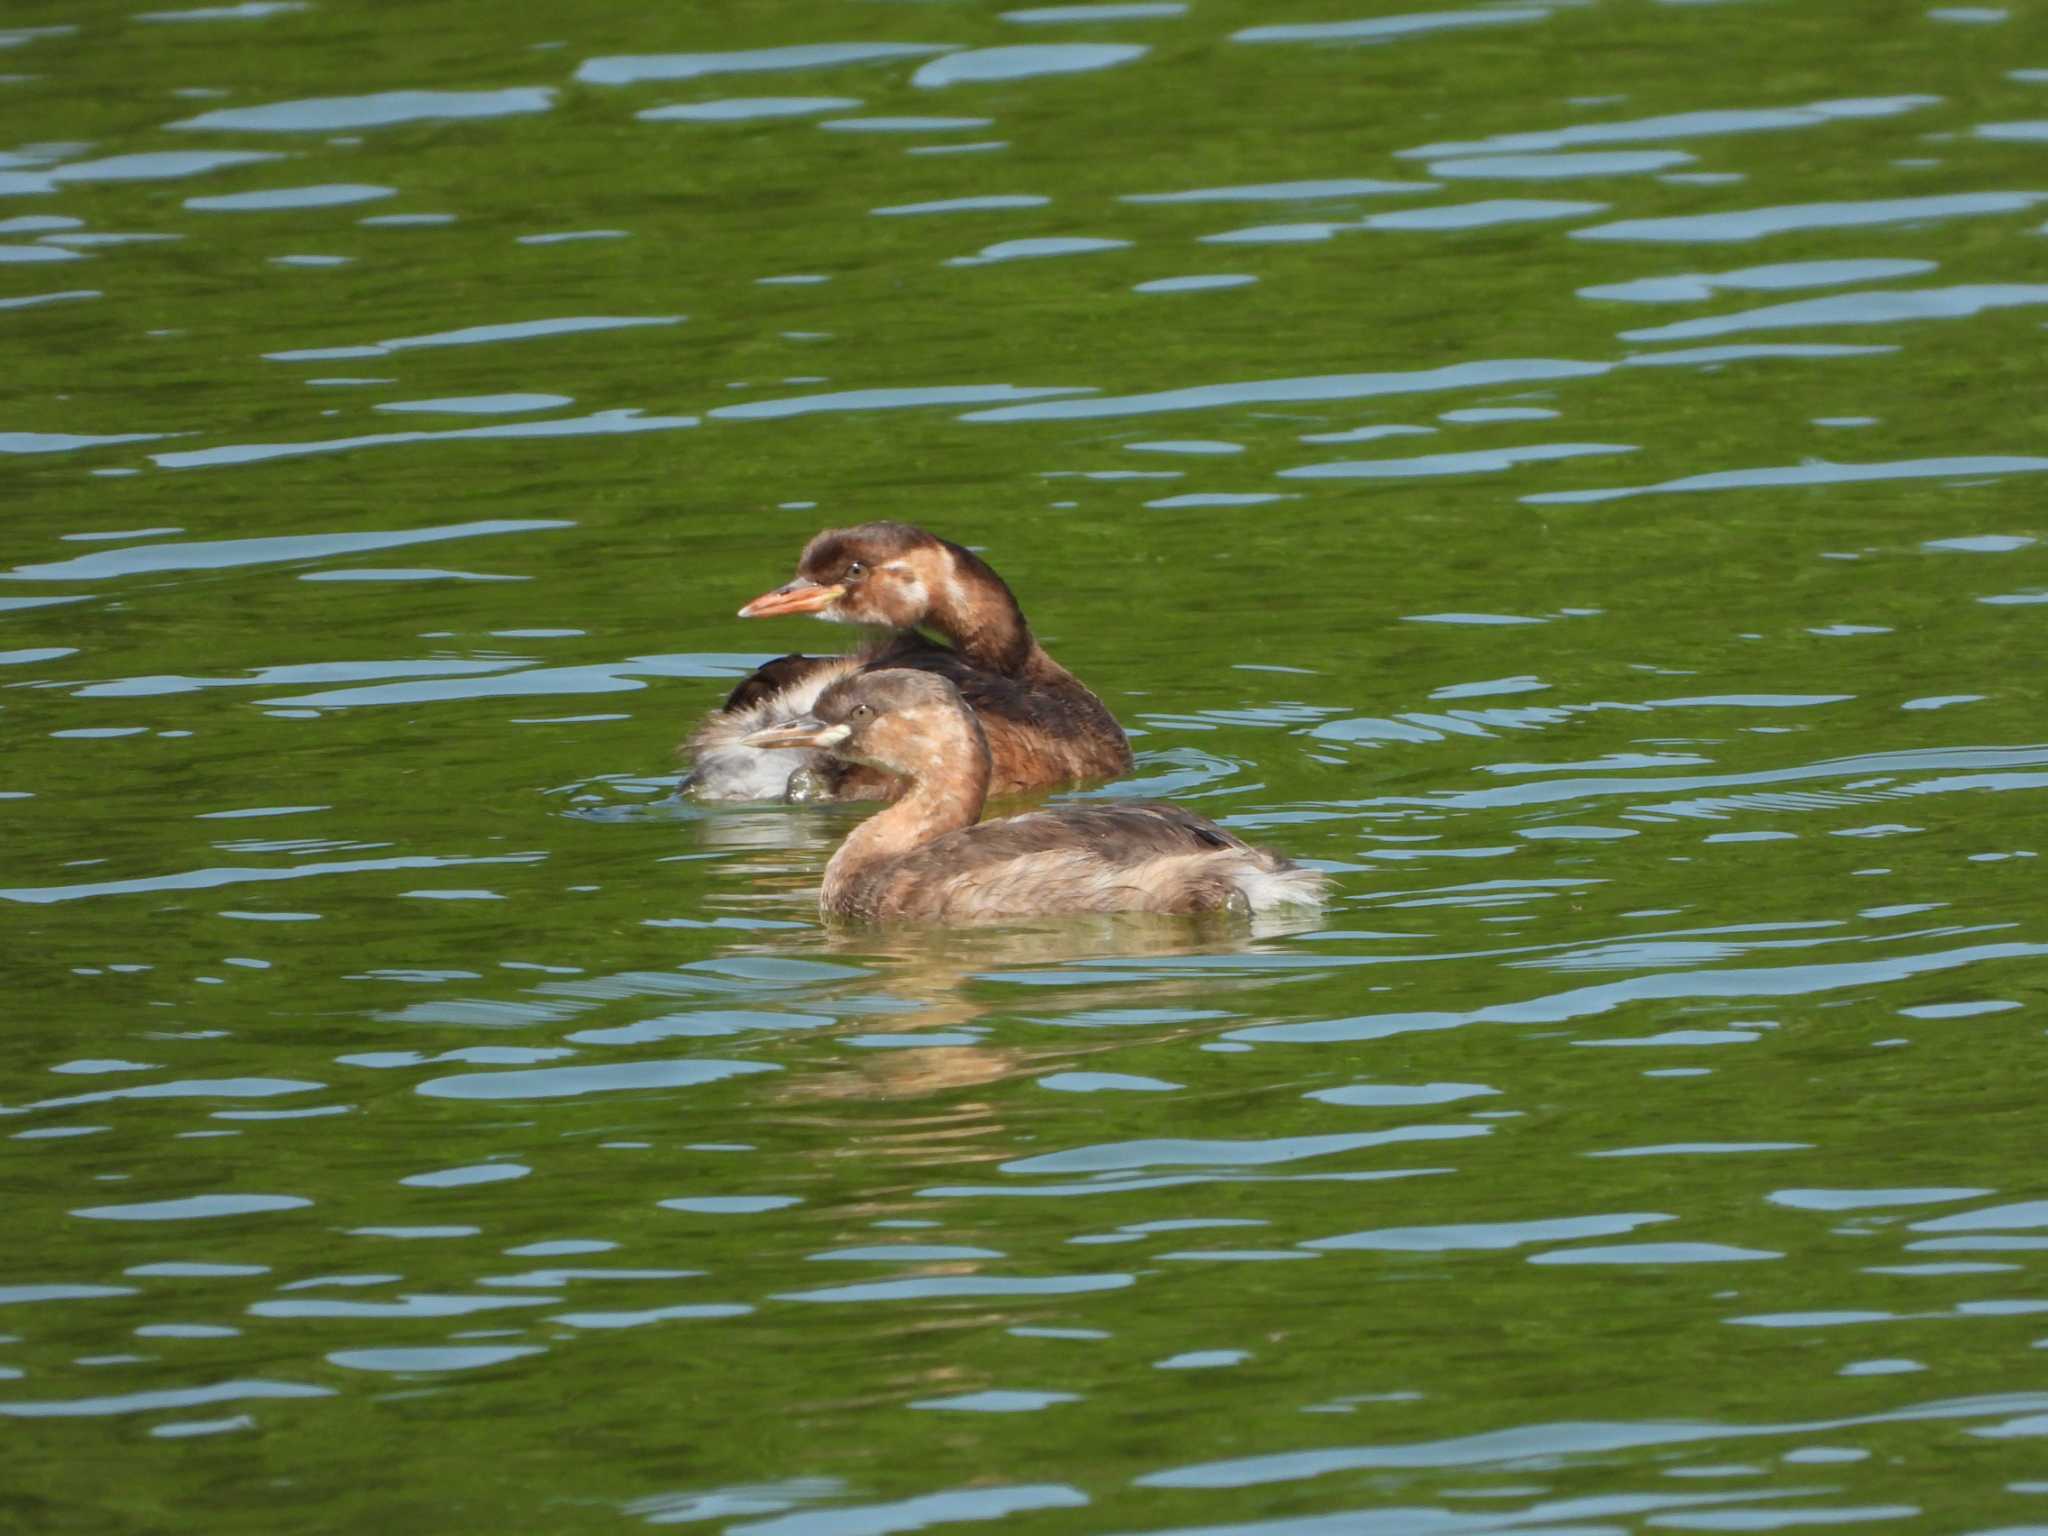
(566, 1082)
(157, 1401)
(478, 335)
(431, 1358)
(1868, 1199)
(1606, 997)
(914, 1514)
(1818, 472)
(1679, 125)
(1562, 166)
(339, 114)
(1336, 386)
(340, 194)
(220, 554)
(1760, 223)
(1470, 462)
(1106, 10)
(746, 109)
(630, 69)
(1655, 1253)
(1878, 307)
(1697, 287)
(1488, 1236)
(1024, 61)
(1181, 1152)
(980, 203)
(997, 1401)
(955, 1287)
(195, 1208)
(1382, 29)
(887, 400)
(1285, 191)
(1565, 1439)
(158, 165)
(1035, 249)
(209, 879)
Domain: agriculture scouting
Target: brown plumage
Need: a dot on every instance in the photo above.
(1043, 725)
(924, 858)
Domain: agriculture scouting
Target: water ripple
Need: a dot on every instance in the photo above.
(951, 1287)
(1698, 287)
(1106, 10)
(1679, 125)
(333, 194)
(1332, 386)
(223, 554)
(569, 1082)
(1663, 986)
(1557, 1440)
(1285, 191)
(1864, 308)
(597, 424)
(1816, 472)
(194, 1208)
(1760, 223)
(1563, 166)
(1382, 29)
(346, 114)
(211, 879)
(913, 1514)
(1179, 1152)
(1023, 62)
(158, 165)
(888, 400)
(630, 69)
(478, 335)
(746, 109)
(1488, 1236)
(1471, 462)
(156, 1401)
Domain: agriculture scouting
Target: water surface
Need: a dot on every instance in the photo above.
(1571, 471)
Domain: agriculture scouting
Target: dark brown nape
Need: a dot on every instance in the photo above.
(989, 628)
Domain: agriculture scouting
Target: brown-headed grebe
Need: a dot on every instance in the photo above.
(1043, 726)
(924, 858)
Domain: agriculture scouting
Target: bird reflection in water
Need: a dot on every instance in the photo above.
(949, 983)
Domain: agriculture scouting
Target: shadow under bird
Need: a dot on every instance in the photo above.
(927, 857)
(1042, 725)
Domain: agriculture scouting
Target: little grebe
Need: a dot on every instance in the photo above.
(1043, 726)
(924, 858)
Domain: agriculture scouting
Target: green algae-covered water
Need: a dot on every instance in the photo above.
(1570, 470)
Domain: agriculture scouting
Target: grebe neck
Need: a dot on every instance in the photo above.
(948, 786)
(974, 610)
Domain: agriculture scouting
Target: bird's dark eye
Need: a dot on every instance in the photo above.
(855, 571)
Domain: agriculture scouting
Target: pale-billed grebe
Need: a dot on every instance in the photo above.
(924, 858)
(1043, 726)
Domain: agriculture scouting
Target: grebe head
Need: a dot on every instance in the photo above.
(878, 573)
(903, 721)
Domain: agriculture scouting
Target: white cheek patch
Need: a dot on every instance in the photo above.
(911, 584)
(832, 736)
